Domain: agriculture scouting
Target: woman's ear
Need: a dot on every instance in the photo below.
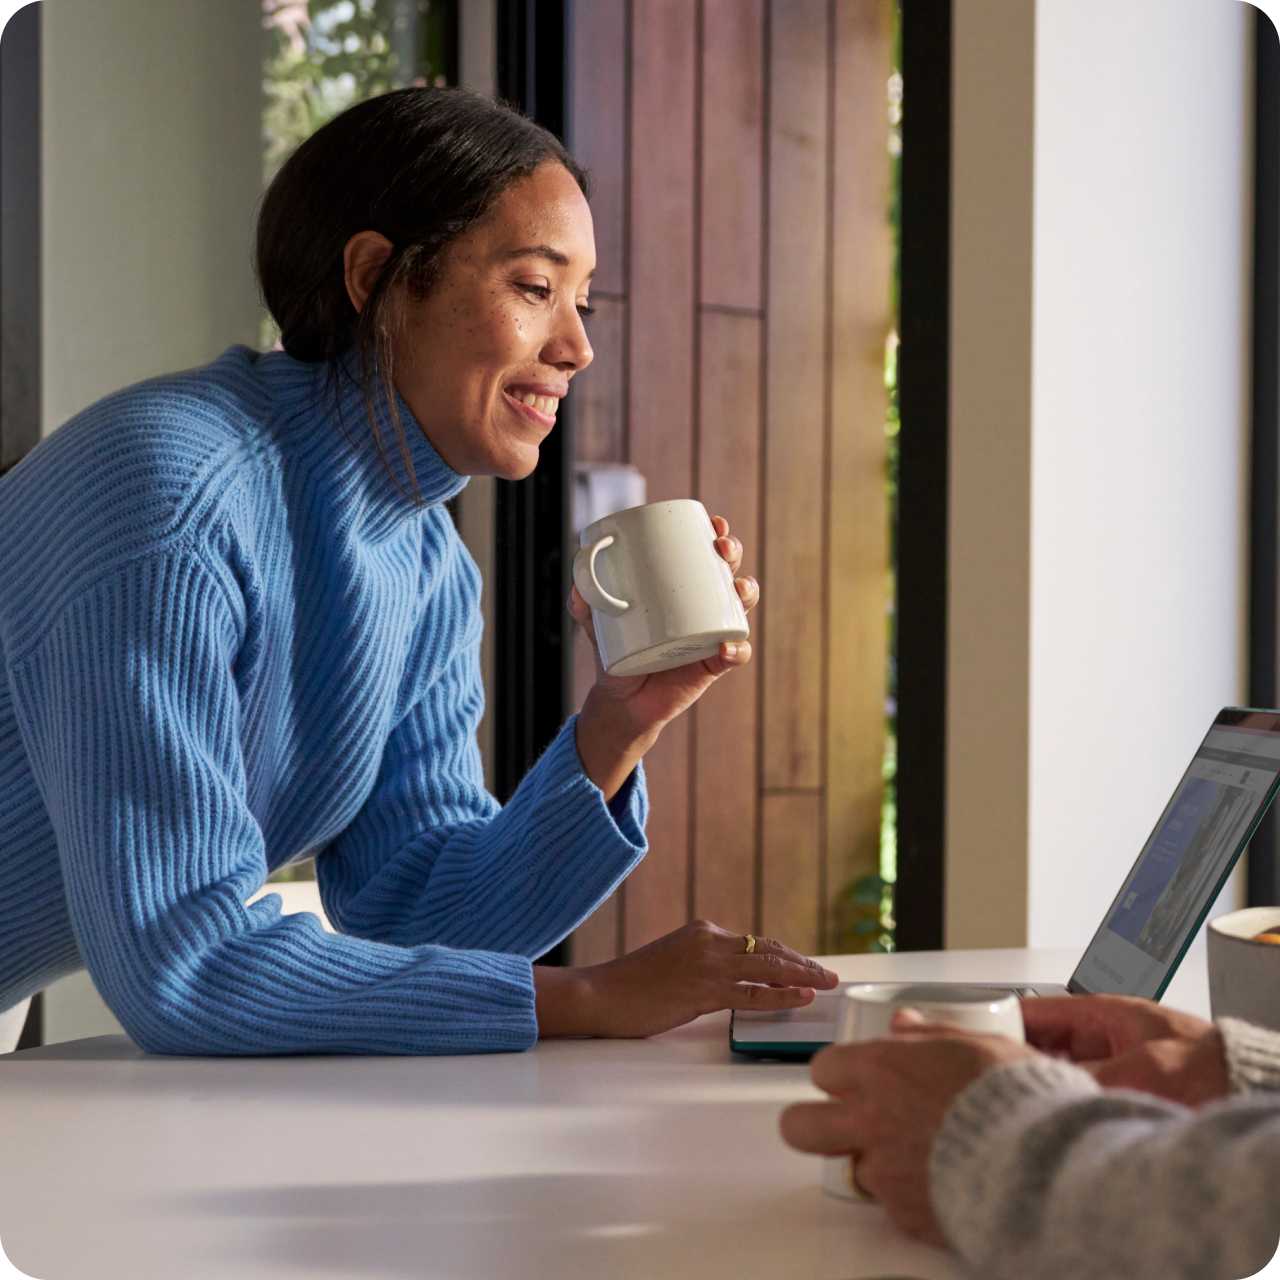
(365, 255)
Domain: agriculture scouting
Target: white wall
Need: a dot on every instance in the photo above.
(152, 166)
(151, 156)
(1109, 533)
(1143, 255)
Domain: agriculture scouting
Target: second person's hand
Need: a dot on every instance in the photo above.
(1128, 1043)
(699, 968)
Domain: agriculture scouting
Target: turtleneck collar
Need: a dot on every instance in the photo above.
(338, 429)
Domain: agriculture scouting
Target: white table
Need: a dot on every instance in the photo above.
(608, 1160)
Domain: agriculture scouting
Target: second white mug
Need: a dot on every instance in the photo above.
(867, 1014)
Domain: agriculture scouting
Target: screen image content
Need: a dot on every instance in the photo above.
(1182, 864)
(1205, 823)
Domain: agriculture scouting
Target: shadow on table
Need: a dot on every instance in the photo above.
(620, 1225)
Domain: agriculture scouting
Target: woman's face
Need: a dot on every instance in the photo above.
(485, 358)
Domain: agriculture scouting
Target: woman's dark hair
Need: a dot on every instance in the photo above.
(419, 166)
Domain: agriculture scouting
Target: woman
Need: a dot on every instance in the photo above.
(1126, 1140)
(238, 629)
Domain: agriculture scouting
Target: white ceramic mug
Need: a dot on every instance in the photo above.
(661, 595)
(1244, 975)
(867, 1011)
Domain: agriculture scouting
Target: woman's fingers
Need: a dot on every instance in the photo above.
(733, 653)
(748, 592)
(777, 971)
(771, 947)
(579, 609)
(726, 544)
(742, 995)
(731, 549)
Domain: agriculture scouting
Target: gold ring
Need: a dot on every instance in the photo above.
(751, 943)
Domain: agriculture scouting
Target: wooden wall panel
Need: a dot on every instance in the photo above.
(726, 801)
(739, 153)
(660, 400)
(732, 152)
(791, 829)
(795, 405)
(599, 424)
(598, 125)
(859, 585)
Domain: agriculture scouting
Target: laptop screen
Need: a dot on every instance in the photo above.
(1202, 832)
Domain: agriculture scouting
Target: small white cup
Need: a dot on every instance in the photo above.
(1244, 975)
(661, 595)
(866, 1013)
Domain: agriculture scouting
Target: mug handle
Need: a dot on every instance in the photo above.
(584, 578)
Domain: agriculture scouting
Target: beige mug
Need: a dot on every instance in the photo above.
(1244, 973)
(866, 1013)
(661, 595)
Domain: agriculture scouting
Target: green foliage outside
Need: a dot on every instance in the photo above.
(324, 56)
(863, 911)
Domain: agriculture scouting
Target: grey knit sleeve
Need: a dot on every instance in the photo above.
(1039, 1173)
(1253, 1056)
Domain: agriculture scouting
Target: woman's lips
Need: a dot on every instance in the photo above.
(546, 420)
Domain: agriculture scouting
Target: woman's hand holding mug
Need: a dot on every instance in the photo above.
(623, 714)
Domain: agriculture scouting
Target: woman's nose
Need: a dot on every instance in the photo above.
(569, 347)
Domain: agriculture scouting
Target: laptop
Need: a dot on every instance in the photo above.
(1210, 819)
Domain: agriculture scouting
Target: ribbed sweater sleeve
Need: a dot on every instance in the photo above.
(1038, 1172)
(1252, 1055)
(431, 857)
(128, 709)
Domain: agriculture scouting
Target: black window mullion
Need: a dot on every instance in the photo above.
(533, 635)
(923, 473)
(1264, 527)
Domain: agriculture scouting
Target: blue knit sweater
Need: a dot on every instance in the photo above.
(229, 640)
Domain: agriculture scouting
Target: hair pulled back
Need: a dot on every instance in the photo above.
(419, 166)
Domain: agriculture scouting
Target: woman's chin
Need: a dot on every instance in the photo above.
(519, 465)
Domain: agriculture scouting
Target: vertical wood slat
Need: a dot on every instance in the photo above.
(732, 162)
(858, 582)
(795, 353)
(598, 135)
(598, 128)
(725, 757)
(599, 424)
(791, 829)
(660, 401)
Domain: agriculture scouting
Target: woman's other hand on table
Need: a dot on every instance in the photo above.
(1128, 1043)
(887, 1102)
(698, 969)
(623, 715)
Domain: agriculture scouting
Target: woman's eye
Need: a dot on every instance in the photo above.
(537, 290)
(585, 309)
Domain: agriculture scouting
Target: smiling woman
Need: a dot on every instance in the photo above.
(488, 353)
(237, 631)
(432, 219)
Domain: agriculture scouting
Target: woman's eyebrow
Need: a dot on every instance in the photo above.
(540, 251)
